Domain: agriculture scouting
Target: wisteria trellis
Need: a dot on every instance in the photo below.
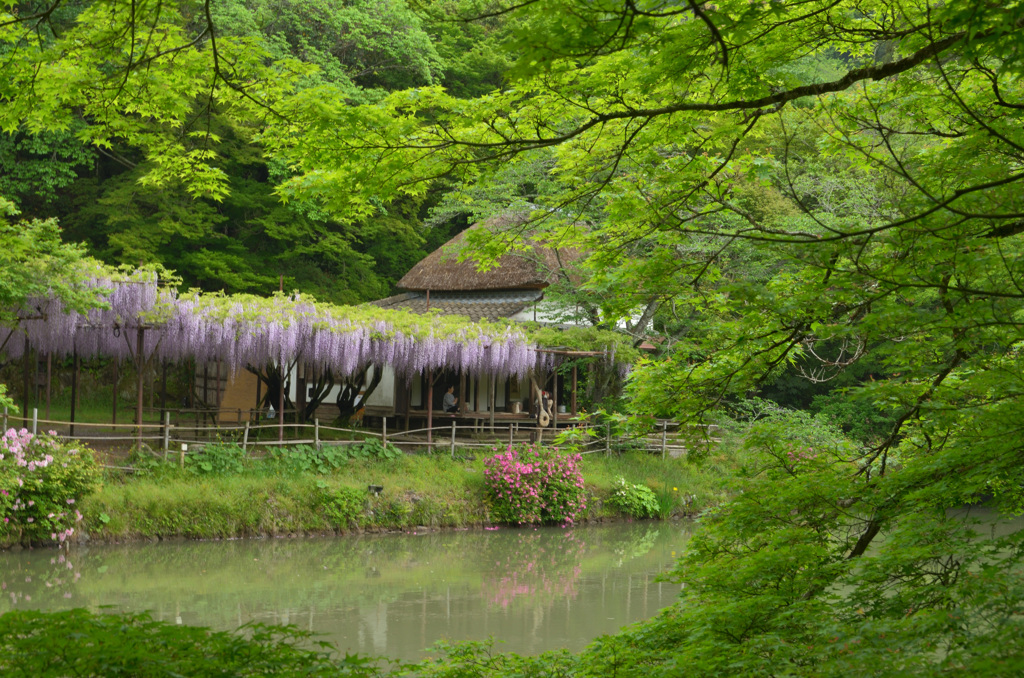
(245, 329)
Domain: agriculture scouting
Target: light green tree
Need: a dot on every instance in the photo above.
(812, 182)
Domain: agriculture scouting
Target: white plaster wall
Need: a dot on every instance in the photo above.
(384, 396)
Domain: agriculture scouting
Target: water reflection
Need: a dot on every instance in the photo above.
(390, 595)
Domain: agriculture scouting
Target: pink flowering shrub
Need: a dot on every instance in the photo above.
(535, 485)
(41, 479)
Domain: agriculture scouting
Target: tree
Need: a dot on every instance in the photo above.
(37, 264)
(806, 176)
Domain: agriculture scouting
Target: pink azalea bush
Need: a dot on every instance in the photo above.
(41, 479)
(530, 485)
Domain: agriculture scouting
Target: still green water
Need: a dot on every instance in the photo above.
(384, 595)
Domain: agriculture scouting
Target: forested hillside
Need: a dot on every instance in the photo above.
(242, 239)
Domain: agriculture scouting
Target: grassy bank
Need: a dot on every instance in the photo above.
(264, 499)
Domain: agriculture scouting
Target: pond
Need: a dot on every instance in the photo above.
(385, 595)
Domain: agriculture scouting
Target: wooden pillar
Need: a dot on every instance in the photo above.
(49, 381)
(408, 402)
(163, 392)
(26, 393)
(140, 363)
(206, 389)
(300, 393)
(574, 385)
(280, 406)
(494, 378)
(117, 381)
(430, 411)
(664, 439)
(554, 401)
(259, 392)
(76, 368)
(218, 392)
(462, 392)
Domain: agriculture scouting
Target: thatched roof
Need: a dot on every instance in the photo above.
(477, 305)
(535, 268)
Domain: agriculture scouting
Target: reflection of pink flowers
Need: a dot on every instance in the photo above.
(535, 573)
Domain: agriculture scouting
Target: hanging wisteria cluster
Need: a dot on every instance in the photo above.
(244, 329)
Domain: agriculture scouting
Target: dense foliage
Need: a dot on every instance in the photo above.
(83, 643)
(188, 186)
(41, 479)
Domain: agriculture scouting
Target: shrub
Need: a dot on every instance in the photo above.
(343, 506)
(533, 485)
(41, 478)
(308, 459)
(216, 458)
(634, 499)
(329, 458)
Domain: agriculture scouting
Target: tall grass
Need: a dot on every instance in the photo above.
(268, 499)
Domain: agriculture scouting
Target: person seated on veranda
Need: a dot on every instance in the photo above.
(450, 403)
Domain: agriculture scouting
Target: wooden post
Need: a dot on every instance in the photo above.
(167, 433)
(26, 393)
(140, 364)
(49, 380)
(575, 370)
(76, 368)
(494, 379)
(280, 408)
(206, 390)
(453, 439)
(259, 392)
(5, 420)
(384, 434)
(163, 391)
(510, 434)
(245, 437)
(664, 438)
(408, 401)
(300, 393)
(554, 402)
(430, 411)
(117, 381)
(316, 432)
(218, 394)
(35, 420)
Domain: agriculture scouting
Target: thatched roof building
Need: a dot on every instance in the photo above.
(441, 282)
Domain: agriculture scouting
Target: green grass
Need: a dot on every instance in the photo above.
(427, 490)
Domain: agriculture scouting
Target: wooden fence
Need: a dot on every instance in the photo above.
(183, 435)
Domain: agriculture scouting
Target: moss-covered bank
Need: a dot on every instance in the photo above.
(418, 490)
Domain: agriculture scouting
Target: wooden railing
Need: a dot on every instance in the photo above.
(166, 438)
